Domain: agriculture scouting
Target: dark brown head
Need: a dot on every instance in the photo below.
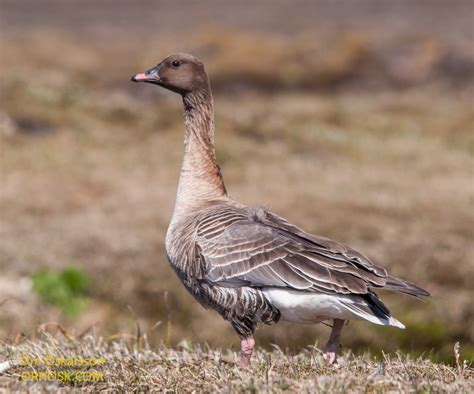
(182, 73)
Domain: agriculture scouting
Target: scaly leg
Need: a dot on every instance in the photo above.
(246, 347)
(332, 346)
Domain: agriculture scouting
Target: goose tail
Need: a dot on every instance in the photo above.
(371, 308)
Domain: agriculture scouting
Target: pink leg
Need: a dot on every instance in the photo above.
(246, 347)
(332, 346)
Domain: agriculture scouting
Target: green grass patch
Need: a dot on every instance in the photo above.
(66, 290)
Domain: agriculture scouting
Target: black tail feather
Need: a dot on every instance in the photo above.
(376, 305)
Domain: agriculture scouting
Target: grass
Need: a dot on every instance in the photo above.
(67, 289)
(132, 365)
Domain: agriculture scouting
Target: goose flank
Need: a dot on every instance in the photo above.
(249, 264)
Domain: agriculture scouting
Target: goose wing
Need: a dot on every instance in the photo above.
(263, 250)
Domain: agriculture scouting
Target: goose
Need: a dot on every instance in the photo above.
(249, 264)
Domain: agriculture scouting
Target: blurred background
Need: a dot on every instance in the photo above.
(352, 119)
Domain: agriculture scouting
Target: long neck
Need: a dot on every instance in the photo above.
(200, 178)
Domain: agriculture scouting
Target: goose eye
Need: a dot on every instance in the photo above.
(175, 63)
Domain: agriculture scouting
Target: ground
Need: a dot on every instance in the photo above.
(123, 365)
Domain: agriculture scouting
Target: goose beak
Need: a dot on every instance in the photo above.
(139, 77)
(150, 76)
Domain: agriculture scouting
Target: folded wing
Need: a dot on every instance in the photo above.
(263, 250)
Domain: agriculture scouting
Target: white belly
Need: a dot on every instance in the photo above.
(299, 307)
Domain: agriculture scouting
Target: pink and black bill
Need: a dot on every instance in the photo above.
(150, 76)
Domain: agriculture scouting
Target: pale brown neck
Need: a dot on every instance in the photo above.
(200, 178)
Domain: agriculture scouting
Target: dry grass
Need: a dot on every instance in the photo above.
(192, 367)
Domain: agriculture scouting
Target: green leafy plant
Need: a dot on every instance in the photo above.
(66, 290)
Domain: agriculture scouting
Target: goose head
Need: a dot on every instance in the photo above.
(180, 72)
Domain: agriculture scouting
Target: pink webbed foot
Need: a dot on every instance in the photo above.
(246, 347)
(332, 346)
(330, 356)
